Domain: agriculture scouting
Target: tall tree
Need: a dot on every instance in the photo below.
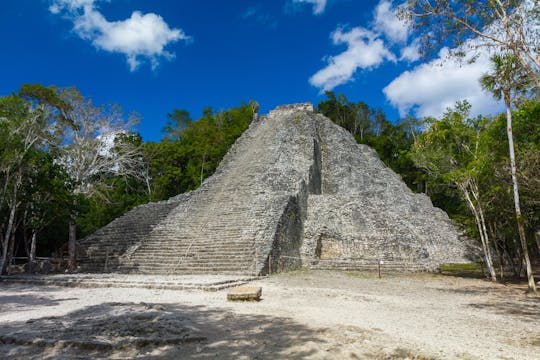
(501, 25)
(506, 81)
(44, 198)
(453, 150)
(94, 150)
(177, 123)
(29, 121)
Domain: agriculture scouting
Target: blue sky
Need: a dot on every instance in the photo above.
(152, 56)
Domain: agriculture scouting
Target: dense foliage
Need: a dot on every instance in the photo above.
(457, 157)
(461, 162)
(192, 150)
(66, 164)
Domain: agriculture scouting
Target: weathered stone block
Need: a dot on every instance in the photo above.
(245, 293)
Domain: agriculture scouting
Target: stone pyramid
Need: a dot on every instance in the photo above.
(295, 190)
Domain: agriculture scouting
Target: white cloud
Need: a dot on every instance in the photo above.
(318, 5)
(426, 90)
(411, 52)
(368, 48)
(71, 5)
(364, 50)
(386, 22)
(430, 88)
(140, 37)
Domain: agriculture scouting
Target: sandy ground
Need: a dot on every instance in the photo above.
(302, 315)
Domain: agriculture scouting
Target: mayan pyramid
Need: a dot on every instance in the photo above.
(295, 190)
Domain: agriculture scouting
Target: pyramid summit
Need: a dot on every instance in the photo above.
(295, 190)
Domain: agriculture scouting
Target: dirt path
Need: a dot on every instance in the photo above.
(304, 315)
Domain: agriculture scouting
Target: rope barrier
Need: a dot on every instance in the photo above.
(380, 263)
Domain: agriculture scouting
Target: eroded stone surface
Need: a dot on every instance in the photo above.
(245, 293)
(294, 190)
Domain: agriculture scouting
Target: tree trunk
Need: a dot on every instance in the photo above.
(72, 251)
(5, 189)
(498, 250)
(521, 230)
(483, 235)
(537, 238)
(491, 268)
(7, 236)
(519, 257)
(513, 265)
(32, 254)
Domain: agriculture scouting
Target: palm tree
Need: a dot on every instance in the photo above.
(507, 81)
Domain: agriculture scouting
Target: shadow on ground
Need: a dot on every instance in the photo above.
(158, 331)
(502, 300)
(527, 309)
(24, 299)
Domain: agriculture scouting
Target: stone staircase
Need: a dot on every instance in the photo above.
(294, 190)
(100, 252)
(227, 226)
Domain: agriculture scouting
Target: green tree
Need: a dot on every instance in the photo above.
(177, 123)
(526, 131)
(506, 81)
(44, 199)
(502, 25)
(93, 151)
(29, 122)
(453, 150)
(181, 165)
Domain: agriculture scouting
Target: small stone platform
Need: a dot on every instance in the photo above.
(245, 293)
(165, 282)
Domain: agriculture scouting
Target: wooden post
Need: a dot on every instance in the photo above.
(379, 267)
(281, 264)
(270, 264)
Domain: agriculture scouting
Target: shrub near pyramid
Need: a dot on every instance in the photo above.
(295, 190)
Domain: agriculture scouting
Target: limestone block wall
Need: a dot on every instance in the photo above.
(294, 190)
(366, 214)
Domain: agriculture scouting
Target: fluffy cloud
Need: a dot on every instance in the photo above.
(71, 5)
(318, 5)
(364, 50)
(427, 90)
(386, 22)
(411, 52)
(430, 88)
(367, 48)
(140, 37)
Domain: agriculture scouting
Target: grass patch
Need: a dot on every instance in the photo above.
(470, 270)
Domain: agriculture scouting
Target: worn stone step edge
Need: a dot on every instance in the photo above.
(120, 284)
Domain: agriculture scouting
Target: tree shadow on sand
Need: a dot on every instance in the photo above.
(24, 296)
(139, 330)
(527, 309)
(501, 300)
